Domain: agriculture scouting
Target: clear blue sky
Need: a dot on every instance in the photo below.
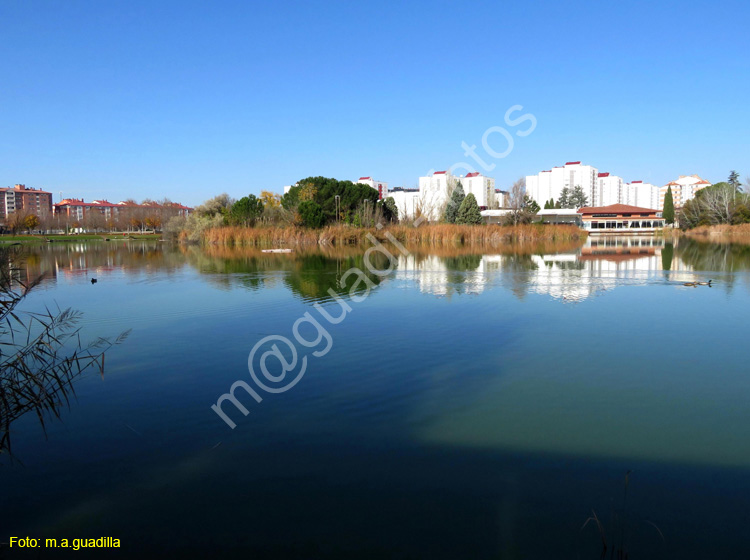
(108, 99)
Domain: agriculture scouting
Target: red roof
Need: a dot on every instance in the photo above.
(603, 174)
(573, 163)
(636, 182)
(363, 178)
(439, 172)
(475, 174)
(616, 209)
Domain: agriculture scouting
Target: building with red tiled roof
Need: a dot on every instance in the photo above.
(380, 186)
(683, 189)
(21, 198)
(621, 219)
(102, 214)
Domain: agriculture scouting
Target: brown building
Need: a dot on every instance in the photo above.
(23, 199)
(102, 214)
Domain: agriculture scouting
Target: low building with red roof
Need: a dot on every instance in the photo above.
(620, 219)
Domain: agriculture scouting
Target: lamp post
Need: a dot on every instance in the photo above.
(338, 207)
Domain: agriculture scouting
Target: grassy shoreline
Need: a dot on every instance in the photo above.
(438, 235)
(56, 238)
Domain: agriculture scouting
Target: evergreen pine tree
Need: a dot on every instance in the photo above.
(668, 212)
(468, 212)
(564, 198)
(454, 203)
(734, 180)
(578, 198)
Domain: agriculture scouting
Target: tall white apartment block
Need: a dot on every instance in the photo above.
(608, 190)
(643, 195)
(380, 186)
(483, 188)
(683, 189)
(549, 184)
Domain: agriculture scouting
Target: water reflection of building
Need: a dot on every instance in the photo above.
(602, 264)
(444, 276)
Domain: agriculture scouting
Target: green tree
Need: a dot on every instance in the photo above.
(246, 210)
(389, 209)
(578, 198)
(564, 199)
(324, 192)
(311, 214)
(454, 203)
(546, 205)
(468, 212)
(530, 205)
(668, 212)
(734, 180)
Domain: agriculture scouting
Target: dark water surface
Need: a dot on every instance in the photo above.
(470, 406)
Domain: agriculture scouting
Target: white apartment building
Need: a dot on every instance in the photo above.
(435, 190)
(643, 195)
(483, 189)
(683, 189)
(608, 190)
(380, 186)
(549, 184)
(408, 201)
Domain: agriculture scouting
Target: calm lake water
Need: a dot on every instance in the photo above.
(470, 406)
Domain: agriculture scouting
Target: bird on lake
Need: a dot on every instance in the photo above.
(93, 280)
(694, 284)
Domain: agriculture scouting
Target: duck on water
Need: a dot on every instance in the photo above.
(694, 284)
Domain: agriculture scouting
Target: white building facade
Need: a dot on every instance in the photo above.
(645, 195)
(549, 184)
(683, 189)
(434, 191)
(380, 186)
(483, 189)
(608, 190)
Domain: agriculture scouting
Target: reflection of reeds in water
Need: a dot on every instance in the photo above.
(41, 354)
(438, 235)
(715, 234)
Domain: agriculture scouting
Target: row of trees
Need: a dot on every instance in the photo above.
(569, 198)
(462, 208)
(721, 203)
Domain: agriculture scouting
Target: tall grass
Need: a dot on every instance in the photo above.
(740, 230)
(439, 235)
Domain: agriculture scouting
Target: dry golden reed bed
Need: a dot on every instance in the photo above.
(439, 235)
(714, 234)
(742, 230)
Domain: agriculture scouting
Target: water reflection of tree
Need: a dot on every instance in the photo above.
(519, 267)
(667, 255)
(309, 274)
(41, 354)
(728, 258)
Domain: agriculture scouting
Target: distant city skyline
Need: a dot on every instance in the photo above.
(186, 100)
